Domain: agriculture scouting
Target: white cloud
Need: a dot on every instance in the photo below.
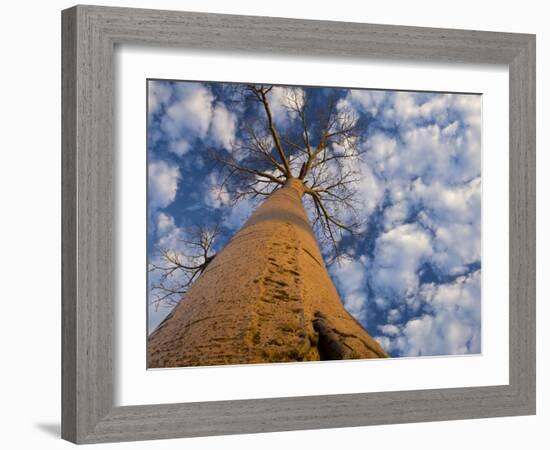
(367, 100)
(355, 303)
(180, 146)
(163, 183)
(394, 315)
(380, 148)
(381, 303)
(165, 224)
(276, 102)
(369, 189)
(408, 107)
(430, 166)
(451, 129)
(191, 112)
(351, 274)
(158, 94)
(280, 98)
(396, 214)
(351, 277)
(188, 117)
(398, 255)
(439, 133)
(454, 215)
(389, 329)
(470, 107)
(428, 152)
(223, 126)
(452, 325)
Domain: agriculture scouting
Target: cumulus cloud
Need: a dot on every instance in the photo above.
(188, 116)
(281, 100)
(165, 224)
(351, 276)
(370, 189)
(163, 183)
(454, 216)
(370, 101)
(408, 106)
(158, 94)
(425, 153)
(393, 315)
(189, 111)
(398, 255)
(380, 148)
(223, 126)
(450, 326)
(439, 133)
(389, 329)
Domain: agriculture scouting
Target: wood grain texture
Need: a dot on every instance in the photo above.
(89, 36)
(68, 226)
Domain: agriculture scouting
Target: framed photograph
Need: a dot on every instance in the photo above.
(267, 230)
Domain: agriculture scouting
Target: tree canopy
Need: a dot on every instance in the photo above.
(321, 150)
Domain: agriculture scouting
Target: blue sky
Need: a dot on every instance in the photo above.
(414, 279)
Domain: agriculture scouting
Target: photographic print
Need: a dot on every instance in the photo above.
(303, 223)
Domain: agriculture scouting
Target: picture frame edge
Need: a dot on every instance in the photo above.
(89, 35)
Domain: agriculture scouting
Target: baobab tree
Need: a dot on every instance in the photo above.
(267, 295)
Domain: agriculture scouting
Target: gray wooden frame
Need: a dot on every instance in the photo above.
(90, 34)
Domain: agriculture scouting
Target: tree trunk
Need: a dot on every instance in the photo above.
(266, 297)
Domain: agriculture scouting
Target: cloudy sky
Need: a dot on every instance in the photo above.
(414, 281)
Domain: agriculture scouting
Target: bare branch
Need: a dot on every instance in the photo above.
(339, 127)
(329, 218)
(178, 269)
(322, 143)
(261, 92)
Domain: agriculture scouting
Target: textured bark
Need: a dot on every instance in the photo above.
(266, 297)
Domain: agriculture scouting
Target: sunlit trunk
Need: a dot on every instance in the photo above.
(266, 297)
